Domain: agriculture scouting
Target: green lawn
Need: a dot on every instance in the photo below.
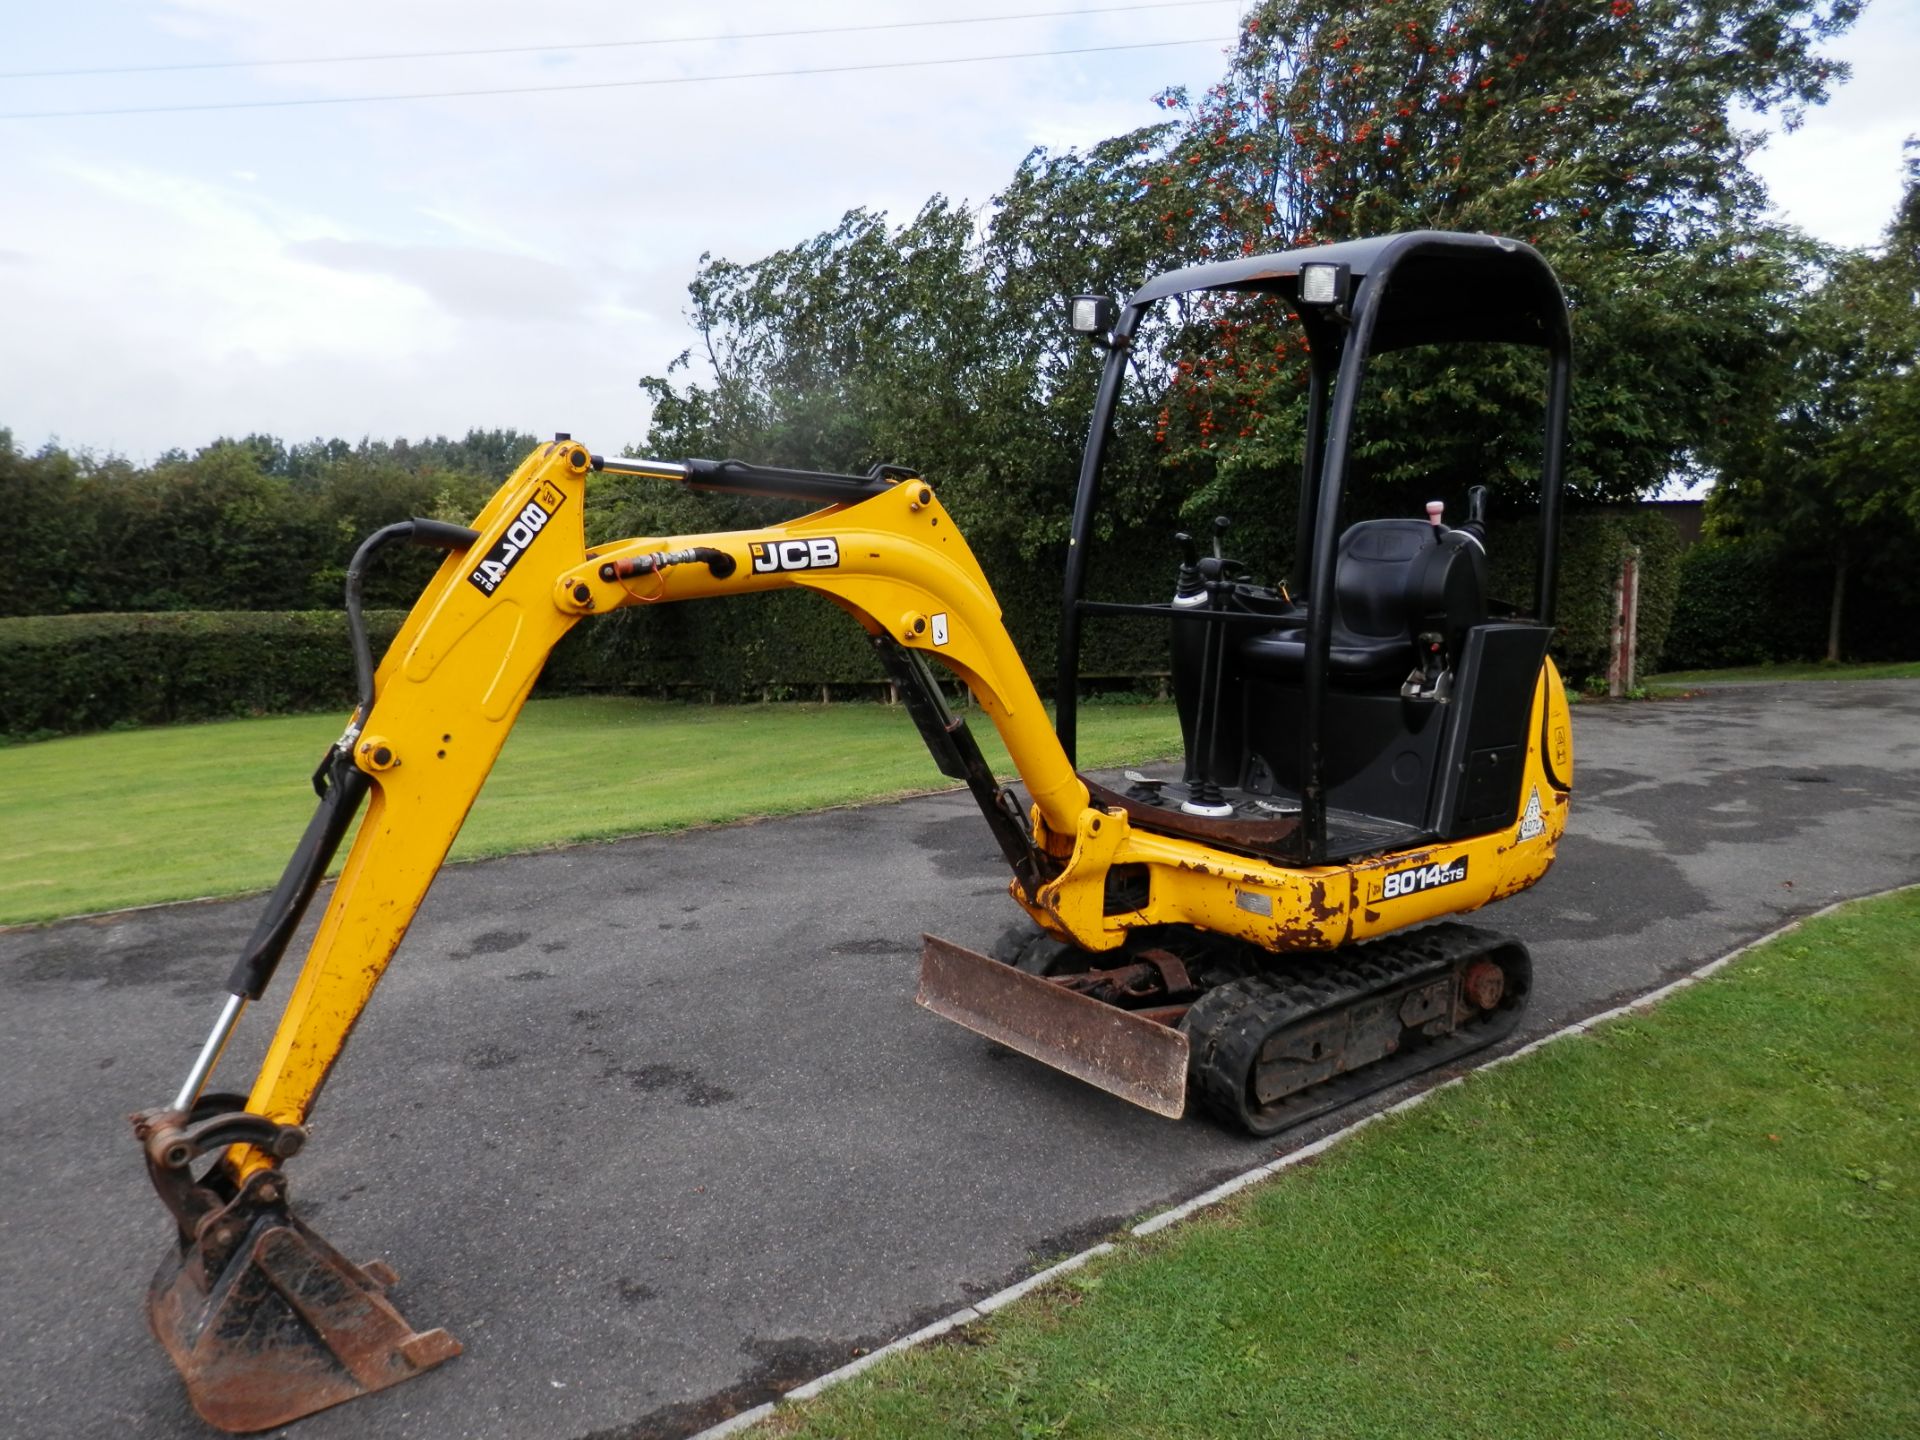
(1879, 670)
(1698, 1223)
(97, 822)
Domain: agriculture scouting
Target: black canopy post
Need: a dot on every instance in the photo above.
(1552, 472)
(1319, 364)
(1079, 542)
(1326, 535)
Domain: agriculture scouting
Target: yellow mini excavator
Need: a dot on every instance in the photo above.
(1367, 750)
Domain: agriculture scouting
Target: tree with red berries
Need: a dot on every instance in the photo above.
(1605, 134)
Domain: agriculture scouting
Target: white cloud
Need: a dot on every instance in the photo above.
(409, 267)
(466, 282)
(1839, 174)
(406, 267)
(158, 296)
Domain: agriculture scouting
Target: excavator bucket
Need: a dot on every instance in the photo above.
(265, 1321)
(1124, 1054)
(286, 1327)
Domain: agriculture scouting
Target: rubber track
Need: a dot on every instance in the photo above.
(1228, 1026)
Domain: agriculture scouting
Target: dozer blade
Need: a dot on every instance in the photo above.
(1138, 1060)
(266, 1322)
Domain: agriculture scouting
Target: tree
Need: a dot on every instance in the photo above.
(248, 524)
(1824, 458)
(219, 530)
(940, 343)
(47, 549)
(1604, 134)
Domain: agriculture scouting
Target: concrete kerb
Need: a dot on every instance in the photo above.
(963, 1316)
(747, 1418)
(967, 1314)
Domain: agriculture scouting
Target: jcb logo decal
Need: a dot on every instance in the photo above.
(821, 554)
(1396, 883)
(508, 549)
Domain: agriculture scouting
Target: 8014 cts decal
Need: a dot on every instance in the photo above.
(513, 543)
(1415, 878)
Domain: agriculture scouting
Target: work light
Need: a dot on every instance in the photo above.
(1322, 283)
(1091, 314)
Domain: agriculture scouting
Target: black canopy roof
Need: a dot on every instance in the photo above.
(1438, 286)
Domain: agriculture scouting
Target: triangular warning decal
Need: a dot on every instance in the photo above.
(1533, 822)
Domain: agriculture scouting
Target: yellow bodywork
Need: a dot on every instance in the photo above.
(456, 675)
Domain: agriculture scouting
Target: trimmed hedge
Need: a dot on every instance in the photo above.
(1733, 610)
(63, 674)
(60, 674)
(1592, 544)
(1750, 601)
(792, 642)
(1590, 558)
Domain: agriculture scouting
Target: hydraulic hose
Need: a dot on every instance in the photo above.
(436, 533)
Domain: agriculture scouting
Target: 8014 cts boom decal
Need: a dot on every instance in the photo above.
(512, 544)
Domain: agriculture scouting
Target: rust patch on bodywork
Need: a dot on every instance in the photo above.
(1288, 938)
(1317, 904)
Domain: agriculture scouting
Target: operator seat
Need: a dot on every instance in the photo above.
(1393, 581)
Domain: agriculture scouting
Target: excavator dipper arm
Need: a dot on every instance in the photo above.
(265, 1321)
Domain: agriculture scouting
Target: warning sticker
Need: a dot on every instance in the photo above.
(1532, 823)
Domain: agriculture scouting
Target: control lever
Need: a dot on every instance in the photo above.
(1476, 525)
(1431, 678)
(1203, 791)
(1189, 587)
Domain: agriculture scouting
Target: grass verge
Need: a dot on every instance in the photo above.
(98, 822)
(1750, 674)
(1701, 1222)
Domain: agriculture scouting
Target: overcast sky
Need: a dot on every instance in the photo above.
(429, 266)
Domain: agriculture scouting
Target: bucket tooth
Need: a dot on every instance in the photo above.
(1139, 1060)
(267, 1322)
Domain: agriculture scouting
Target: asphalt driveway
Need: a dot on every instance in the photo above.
(655, 1128)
